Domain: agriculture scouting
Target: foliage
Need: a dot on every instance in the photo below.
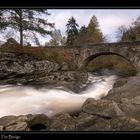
(90, 34)
(58, 55)
(71, 31)
(27, 22)
(57, 39)
(130, 34)
(81, 37)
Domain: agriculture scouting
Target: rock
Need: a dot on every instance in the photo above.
(15, 70)
(124, 124)
(102, 108)
(19, 126)
(37, 122)
(120, 82)
(84, 121)
(129, 90)
(127, 96)
(131, 107)
(26, 70)
(101, 124)
(62, 122)
(13, 123)
(1, 128)
(72, 80)
(24, 122)
(8, 120)
(65, 66)
(88, 122)
(28, 67)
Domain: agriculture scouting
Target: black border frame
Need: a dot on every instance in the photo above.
(68, 4)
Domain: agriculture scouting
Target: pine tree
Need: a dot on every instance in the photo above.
(81, 38)
(71, 31)
(90, 34)
(94, 34)
(25, 21)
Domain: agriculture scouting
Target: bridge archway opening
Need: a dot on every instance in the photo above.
(112, 62)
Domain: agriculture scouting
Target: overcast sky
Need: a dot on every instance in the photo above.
(109, 19)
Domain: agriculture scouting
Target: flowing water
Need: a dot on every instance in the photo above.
(21, 100)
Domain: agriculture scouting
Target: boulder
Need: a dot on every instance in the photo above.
(13, 123)
(85, 120)
(88, 122)
(102, 108)
(120, 82)
(129, 90)
(24, 122)
(131, 107)
(37, 122)
(62, 122)
(19, 126)
(124, 124)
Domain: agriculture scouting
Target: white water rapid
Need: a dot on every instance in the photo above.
(21, 100)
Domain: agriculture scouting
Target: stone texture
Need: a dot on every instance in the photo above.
(102, 108)
(27, 70)
(125, 124)
(24, 122)
(129, 90)
(62, 122)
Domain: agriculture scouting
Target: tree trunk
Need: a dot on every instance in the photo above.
(20, 27)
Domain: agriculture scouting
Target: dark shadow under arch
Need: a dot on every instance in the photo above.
(88, 59)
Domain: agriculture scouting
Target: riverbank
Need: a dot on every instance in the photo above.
(118, 111)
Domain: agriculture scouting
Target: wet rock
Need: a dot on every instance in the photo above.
(62, 122)
(131, 107)
(124, 124)
(88, 122)
(102, 108)
(37, 122)
(13, 123)
(129, 90)
(19, 126)
(8, 120)
(84, 121)
(120, 82)
(1, 128)
(24, 122)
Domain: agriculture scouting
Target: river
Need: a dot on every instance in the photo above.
(23, 100)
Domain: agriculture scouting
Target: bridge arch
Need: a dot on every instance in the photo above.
(86, 61)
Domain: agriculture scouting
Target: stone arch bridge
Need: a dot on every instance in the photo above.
(82, 55)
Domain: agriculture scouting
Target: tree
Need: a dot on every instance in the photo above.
(71, 31)
(81, 37)
(57, 39)
(132, 33)
(120, 31)
(90, 34)
(27, 22)
(94, 34)
(63, 41)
